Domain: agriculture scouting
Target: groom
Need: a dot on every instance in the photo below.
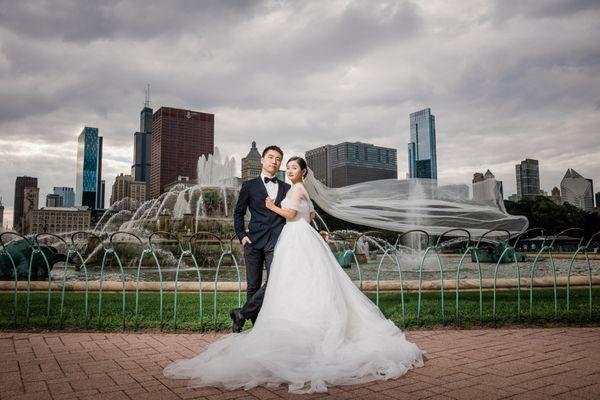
(262, 234)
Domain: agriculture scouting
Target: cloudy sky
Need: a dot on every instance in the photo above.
(506, 80)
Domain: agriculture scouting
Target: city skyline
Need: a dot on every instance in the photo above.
(506, 82)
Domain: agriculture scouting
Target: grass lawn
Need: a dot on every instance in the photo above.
(188, 316)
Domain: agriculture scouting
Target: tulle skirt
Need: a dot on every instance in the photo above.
(315, 329)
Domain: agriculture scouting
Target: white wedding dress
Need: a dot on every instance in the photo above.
(315, 328)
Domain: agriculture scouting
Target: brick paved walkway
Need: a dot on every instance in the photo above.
(562, 363)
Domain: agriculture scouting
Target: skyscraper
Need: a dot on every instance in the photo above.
(88, 188)
(67, 194)
(528, 179)
(577, 190)
(102, 194)
(179, 138)
(142, 153)
(422, 155)
(251, 166)
(1, 215)
(350, 163)
(21, 183)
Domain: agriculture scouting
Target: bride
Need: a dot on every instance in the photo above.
(315, 328)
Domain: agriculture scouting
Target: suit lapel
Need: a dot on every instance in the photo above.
(261, 188)
(279, 192)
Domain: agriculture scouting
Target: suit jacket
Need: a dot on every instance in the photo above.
(264, 224)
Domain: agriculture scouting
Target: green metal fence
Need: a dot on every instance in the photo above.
(350, 246)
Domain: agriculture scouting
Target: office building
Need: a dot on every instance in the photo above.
(1, 215)
(142, 153)
(422, 154)
(528, 179)
(88, 189)
(54, 200)
(21, 183)
(577, 190)
(251, 166)
(179, 138)
(126, 187)
(59, 220)
(350, 163)
(31, 200)
(555, 196)
(67, 194)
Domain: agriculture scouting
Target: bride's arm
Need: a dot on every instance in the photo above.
(288, 214)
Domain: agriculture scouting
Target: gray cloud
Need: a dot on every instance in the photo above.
(87, 21)
(542, 9)
(506, 81)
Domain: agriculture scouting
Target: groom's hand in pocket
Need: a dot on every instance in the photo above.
(246, 240)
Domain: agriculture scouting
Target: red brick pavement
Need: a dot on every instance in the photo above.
(561, 363)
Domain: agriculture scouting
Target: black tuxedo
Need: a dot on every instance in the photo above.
(263, 230)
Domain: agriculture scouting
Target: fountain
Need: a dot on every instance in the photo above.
(207, 205)
(183, 211)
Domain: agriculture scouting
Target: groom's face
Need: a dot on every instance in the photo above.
(271, 162)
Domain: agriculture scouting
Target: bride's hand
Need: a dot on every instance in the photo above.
(269, 203)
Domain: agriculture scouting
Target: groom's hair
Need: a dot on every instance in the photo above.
(275, 148)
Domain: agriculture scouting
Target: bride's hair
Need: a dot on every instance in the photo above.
(301, 163)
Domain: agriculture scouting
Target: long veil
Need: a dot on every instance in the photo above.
(402, 205)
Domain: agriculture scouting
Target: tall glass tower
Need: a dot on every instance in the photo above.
(88, 189)
(422, 156)
(140, 170)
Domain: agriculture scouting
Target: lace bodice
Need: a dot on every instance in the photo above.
(297, 199)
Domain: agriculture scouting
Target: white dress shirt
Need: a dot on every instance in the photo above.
(272, 187)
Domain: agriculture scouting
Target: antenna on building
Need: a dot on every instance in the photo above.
(147, 100)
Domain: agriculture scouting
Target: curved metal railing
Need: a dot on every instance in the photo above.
(385, 251)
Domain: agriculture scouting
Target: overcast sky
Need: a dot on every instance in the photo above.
(506, 80)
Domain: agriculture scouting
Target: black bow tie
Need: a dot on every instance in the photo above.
(273, 179)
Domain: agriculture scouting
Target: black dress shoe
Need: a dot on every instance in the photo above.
(238, 320)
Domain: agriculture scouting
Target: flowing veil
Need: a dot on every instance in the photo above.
(402, 205)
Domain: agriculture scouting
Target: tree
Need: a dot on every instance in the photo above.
(544, 213)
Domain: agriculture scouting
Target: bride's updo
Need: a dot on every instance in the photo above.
(301, 163)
